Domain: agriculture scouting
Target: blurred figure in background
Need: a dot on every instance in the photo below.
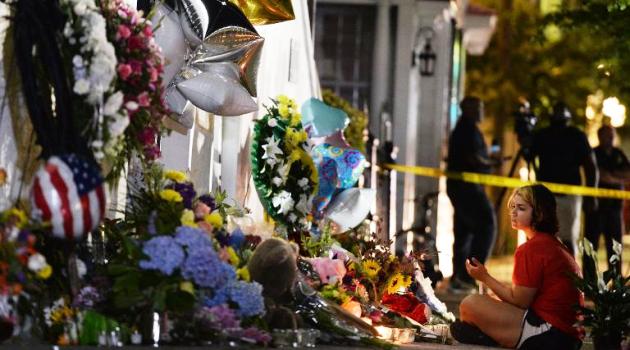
(614, 171)
(563, 149)
(474, 223)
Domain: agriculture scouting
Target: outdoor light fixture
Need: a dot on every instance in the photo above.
(426, 57)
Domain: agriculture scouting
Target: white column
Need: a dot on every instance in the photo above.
(401, 119)
(380, 67)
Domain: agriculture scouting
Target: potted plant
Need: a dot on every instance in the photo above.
(608, 318)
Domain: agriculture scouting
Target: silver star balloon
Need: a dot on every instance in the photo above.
(233, 44)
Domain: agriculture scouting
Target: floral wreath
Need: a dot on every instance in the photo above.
(93, 64)
(140, 66)
(284, 174)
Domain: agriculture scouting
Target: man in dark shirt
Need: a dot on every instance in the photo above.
(614, 170)
(561, 150)
(474, 224)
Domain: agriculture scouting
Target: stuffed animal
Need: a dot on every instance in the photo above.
(274, 266)
(330, 271)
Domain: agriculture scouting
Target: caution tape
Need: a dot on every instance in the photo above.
(510, 182)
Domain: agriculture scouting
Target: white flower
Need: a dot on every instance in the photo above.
(80, 9)
(67, 30)
(284, 201)
(283, 170)
(81, 268)
(271, 148)
(77, 61)
(272, 122)
(97, 144)
(131, 106)
(36, 262)
(81, 87)
(303, 182)
(303, 205)
(119, 125)
(292, 217)
(277, 181)
(113, 104)
(272, 162)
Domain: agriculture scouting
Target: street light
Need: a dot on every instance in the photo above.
(427, 56)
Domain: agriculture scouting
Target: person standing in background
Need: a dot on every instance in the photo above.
(562, 150)
(474, 223)
(614, 170)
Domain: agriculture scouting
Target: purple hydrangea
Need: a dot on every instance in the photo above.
(247, 296)
(164, 255)
(218, 317)
(204, 267)
(192, 238)
(186, 190)
(88, 297)
(209, 201)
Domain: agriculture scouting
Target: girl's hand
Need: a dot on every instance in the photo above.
(476, 269)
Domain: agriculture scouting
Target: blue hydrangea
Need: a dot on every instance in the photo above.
(216, 298)
(164, 255)
(204, 267)
(192, 238)
(237, 238)
(247, 296)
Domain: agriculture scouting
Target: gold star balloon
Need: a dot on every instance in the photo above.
(261, 12)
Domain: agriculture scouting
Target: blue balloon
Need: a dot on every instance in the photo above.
(320, 120)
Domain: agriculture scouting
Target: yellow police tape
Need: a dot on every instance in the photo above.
(504, 181)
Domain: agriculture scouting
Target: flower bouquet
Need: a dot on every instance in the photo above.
(23, 271)
(608, 319)
(176, 259)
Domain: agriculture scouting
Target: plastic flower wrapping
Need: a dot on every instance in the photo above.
(283, 170)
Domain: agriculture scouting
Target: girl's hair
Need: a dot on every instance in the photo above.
(543, 202)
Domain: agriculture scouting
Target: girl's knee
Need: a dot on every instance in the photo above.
(467, 307)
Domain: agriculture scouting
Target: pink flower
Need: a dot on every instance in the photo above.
(153, 74)
(201, 210)
(148, 31)
(147, 136)
(152, 152)
(136, 66)
(123, 32)
(143, 99)
(135, 42)
(124, 70)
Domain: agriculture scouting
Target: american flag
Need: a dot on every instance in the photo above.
(68, 191)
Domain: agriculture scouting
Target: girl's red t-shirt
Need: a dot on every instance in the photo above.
(544, 263)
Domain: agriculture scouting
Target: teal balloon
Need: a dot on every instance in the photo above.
(320, 120)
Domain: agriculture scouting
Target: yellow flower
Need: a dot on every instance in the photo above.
(45, 272)
(234, 259)
(294, 156)
(171, 196)
(18, 215)
(283, 99)
(398, 282)
(187, 286)
(371, 268)
(292, 137)
(175, 175)
(215, 219)
(188, 218)
(243, 273)
(296, 118)
(283, 109)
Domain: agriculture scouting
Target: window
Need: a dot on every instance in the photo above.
(344, 45)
